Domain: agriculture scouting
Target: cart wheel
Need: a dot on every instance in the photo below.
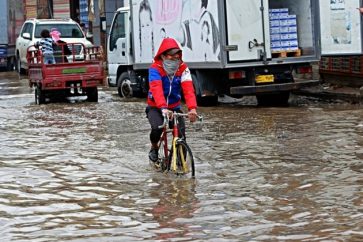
(92, 94)
(39, 95)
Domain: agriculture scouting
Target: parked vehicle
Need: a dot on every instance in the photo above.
(70, 32)
(66, 78)
(11, 19)
(234, 48)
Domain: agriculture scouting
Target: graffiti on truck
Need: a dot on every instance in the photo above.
(194, 27)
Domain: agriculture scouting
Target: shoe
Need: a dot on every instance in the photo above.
(153, 155)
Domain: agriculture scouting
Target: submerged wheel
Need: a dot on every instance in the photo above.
(275, 99)
(39, 95)
(10, 64)
(184, 160)
(208, 101)
(163, 158)
(92, 94)
(124, 85)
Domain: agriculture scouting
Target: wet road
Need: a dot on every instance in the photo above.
(78, 171)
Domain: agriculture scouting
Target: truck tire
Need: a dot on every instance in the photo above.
(124, 88)
(273, 99)
(207, 101)
(10, 64)
(203, 101)
(39, 95)
(92, 94)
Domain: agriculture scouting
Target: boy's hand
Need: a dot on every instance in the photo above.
(167, 113)
(192, 115)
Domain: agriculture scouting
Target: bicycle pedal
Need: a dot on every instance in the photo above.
(157, 165)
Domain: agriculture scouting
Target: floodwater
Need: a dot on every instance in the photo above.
(78, 171)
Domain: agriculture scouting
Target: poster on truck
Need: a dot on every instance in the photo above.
(194, 23)
(340, 27)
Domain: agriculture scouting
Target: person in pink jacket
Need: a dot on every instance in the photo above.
(169, 78)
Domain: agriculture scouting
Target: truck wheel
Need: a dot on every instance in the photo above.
(39, 95)
(124, 85)
(203, 101)
(207, 101)
(92, 94)
(10, 64)
(275, 99)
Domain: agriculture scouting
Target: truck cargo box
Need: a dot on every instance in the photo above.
(228, 33)
(11, 19)
(232, 47)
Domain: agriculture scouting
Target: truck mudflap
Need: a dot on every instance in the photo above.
(270, 88)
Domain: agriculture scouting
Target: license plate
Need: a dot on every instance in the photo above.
(74, 70)
(264, 78)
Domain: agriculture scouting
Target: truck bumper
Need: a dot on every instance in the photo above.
(252, 90)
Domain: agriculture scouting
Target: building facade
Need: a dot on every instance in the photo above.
(86, 12)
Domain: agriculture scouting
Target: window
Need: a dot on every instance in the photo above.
(28, 28)
(118, 29)
(66, 30)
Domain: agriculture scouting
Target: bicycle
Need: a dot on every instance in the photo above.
(179, 157)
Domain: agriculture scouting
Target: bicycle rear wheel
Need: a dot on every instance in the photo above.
(184, 164)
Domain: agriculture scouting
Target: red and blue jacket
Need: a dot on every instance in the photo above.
(165, 92)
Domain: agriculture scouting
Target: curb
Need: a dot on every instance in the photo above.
(352, 95)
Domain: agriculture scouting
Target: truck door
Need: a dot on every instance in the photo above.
(341, 27)
(247, 30)
(119, 42)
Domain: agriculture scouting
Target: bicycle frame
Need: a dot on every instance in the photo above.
(170, 155)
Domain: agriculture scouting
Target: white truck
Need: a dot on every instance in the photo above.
(11, 20)
(233, 47)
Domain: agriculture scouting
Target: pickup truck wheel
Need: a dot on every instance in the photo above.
(124, 85)
(18, 66)
(276, 99)
(39, 95)
(92, 94)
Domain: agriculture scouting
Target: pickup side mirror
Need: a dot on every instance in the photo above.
(26, 36)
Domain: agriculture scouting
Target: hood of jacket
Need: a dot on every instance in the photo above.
(166, 44)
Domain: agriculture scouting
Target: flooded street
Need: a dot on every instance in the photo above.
(78, 171)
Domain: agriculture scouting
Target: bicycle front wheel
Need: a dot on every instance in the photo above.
(163, 162)
(183, 160)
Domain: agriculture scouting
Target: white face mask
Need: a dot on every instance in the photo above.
(171, 66)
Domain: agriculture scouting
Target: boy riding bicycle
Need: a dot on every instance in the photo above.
(168, 77)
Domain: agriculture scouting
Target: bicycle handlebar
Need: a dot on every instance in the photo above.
(176, 115)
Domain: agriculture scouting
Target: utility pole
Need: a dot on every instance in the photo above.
(102, 7)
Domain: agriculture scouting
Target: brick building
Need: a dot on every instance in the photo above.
(85, 12)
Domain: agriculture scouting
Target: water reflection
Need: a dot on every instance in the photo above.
(79, 172)
(175, 207)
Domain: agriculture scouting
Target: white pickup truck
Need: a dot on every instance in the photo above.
(70, 32)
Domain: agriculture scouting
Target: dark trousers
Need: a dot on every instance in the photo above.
(156, 119)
